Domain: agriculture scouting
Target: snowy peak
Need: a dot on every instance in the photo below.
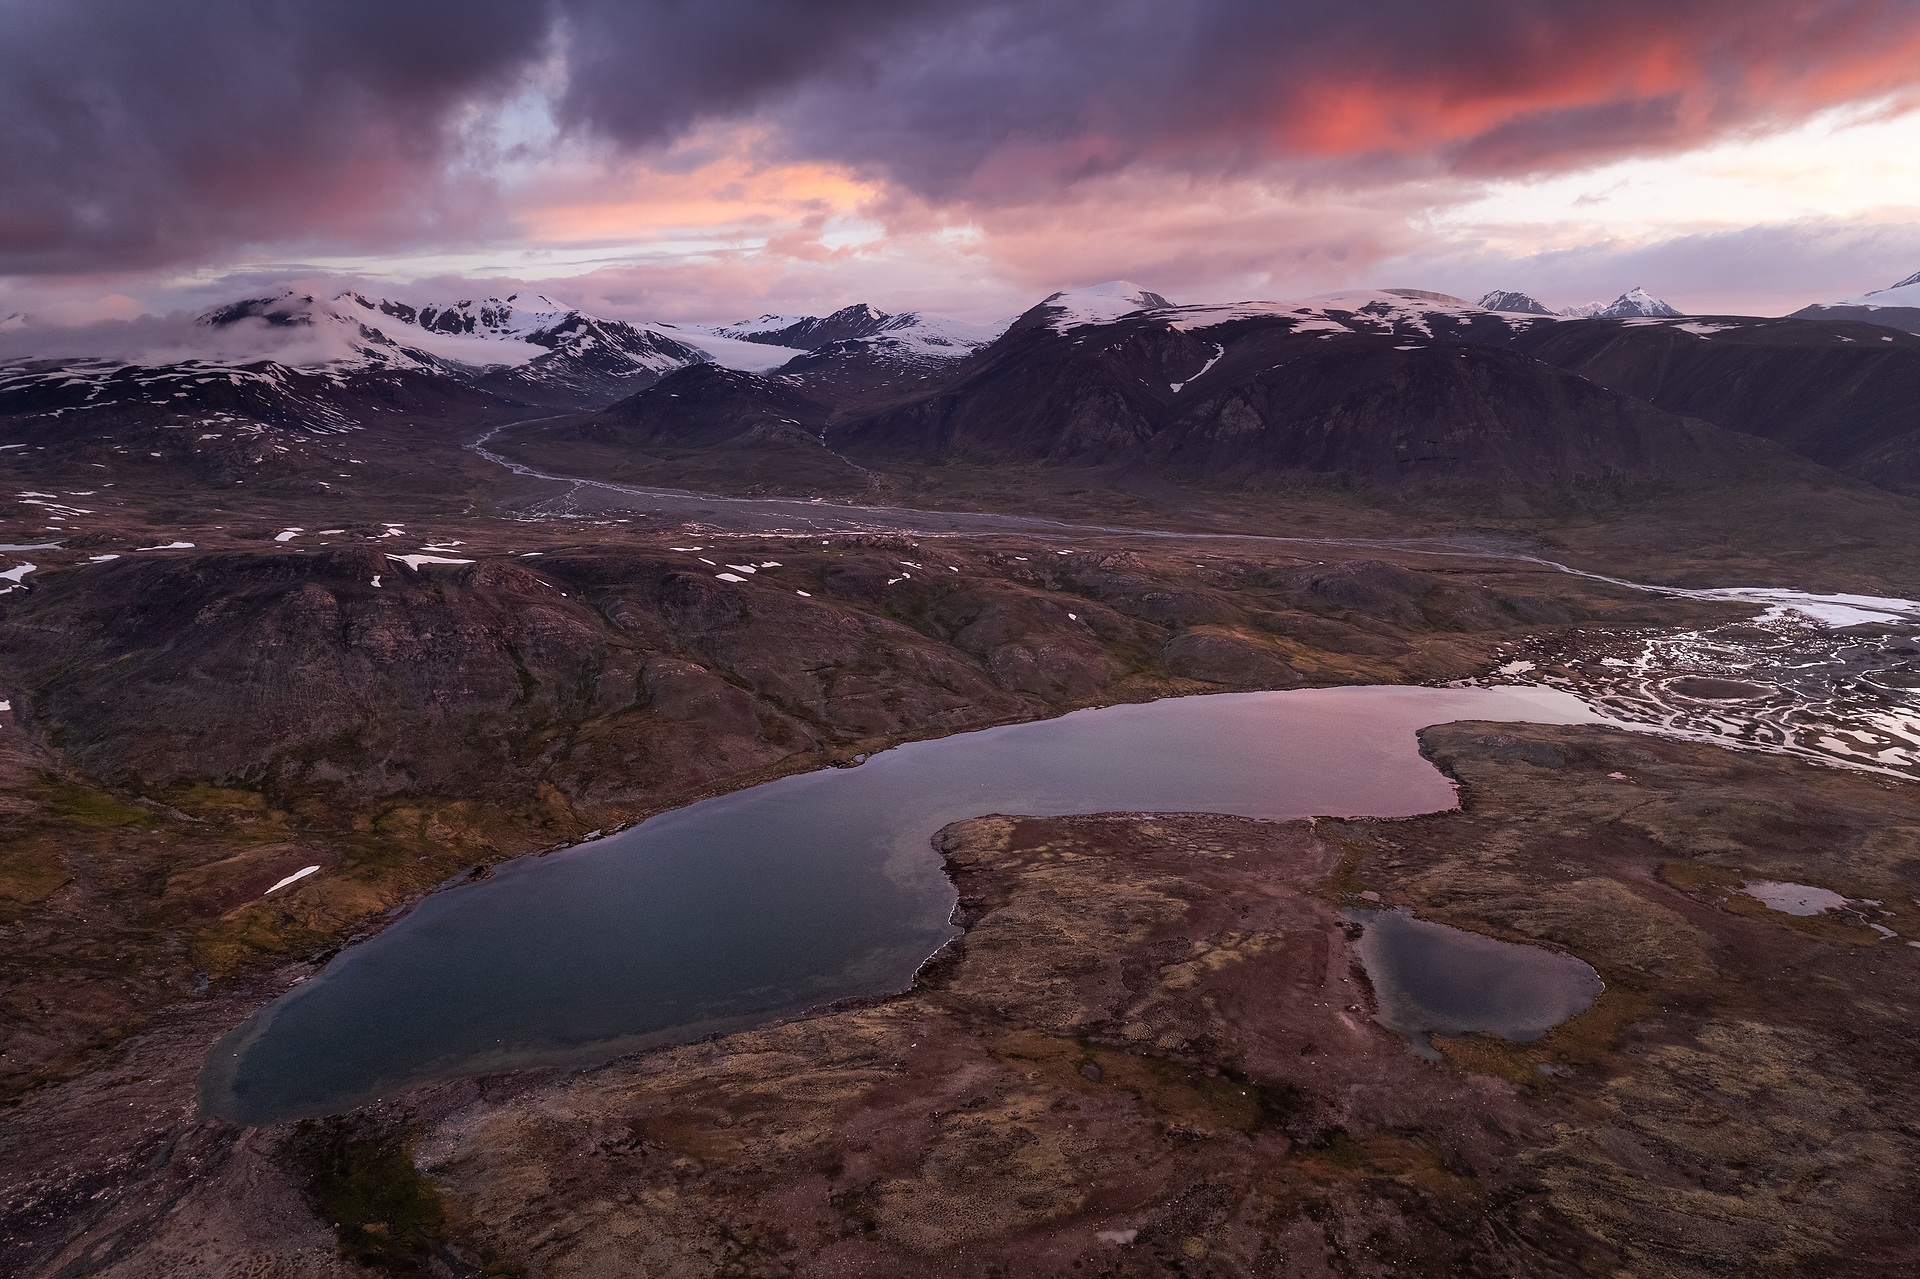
(1638, 302)
(909, 332)
(1518, 303)
(1902, 293)
(808, 332)
(1406, 315)
(1635, 302)
(507, 318)
(1896, 307)
(302, 331)
(478, 333)
(1096, 304)
(859, 337)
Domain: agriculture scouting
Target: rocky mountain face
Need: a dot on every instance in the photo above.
(1506, 300)
(1840, 392)
(60, 399)
(1634, 302)
(1390, 387)
(1380, 386)
(860, 354)
(810, 331)
(587, 361)
(707, 406)
(324, 363)
(534, 350)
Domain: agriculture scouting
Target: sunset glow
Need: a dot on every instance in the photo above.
(974, 159)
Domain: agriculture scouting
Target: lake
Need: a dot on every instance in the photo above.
(740, 910)
(1434, 980)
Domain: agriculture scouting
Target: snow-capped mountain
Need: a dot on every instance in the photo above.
(1896, 307)
(907, 335)
(1636, 301)
(1900, 293)
(1520, 303)
(858, 350)
(295, 358)
(1354, 382)
(1095, 304)
(534, 349)
(807, 332)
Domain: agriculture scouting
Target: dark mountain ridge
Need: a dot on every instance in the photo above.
(1840, 392)
(1363, 389)
(809, 332)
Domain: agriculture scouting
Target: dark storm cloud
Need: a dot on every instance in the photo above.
(1007, 103)
(136, 134)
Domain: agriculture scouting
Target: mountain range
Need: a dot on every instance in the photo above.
(1389, 386)
(1386, 387)
(1634, 302)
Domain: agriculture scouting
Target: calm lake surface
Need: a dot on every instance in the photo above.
(1432, 979)
(739, 910)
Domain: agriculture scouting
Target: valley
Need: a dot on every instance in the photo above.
(412, 625)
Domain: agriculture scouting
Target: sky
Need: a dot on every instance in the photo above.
(720, 159)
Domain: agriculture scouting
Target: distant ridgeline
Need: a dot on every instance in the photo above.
(1384, 386)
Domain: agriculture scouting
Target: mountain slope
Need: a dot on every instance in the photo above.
(1634, 302)
(537, 350)
(292, 359)
(809, 331)
(56, 398)
(862, 355)
(1897, 306)
(702, 427)
(1379, 385)
(1507, 300)
(1840, 392)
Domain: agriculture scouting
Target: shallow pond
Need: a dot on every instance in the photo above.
(823, 886)
(1434, 980)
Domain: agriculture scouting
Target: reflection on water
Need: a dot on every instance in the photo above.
(807, 889)
(1783, 683)
(1434, 980)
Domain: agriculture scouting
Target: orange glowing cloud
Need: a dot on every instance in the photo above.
(730, 196)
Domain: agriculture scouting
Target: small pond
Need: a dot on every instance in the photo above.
(1434, 980)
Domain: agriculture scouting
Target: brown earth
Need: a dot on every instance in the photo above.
(190, 726)
(1151, 1053)
(189, 729)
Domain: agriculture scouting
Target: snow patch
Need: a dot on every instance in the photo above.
(1793, 899)
(732, 353)
(1099, 304)
(297, 875)
(415, 561)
